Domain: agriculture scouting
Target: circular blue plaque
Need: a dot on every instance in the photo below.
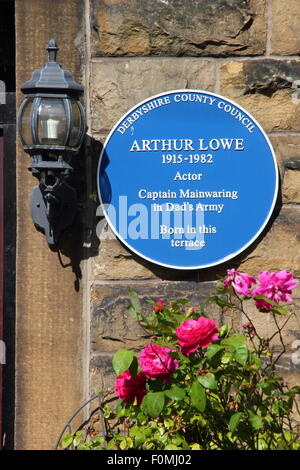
(187, 179)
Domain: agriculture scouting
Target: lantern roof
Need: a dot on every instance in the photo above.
(52, 78)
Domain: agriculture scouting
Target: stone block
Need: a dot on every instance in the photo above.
(287, 150)
(265, 324)
(291, 187)
(176, 28)
(279, 248)
(102, 376)
(112, 328)
(288, 366)
(119, 84)
(114, 261)
(285, 38)
(267, 89)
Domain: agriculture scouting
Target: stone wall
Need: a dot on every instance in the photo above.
(71, 315)
(246, 50)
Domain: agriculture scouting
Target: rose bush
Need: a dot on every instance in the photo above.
(158, 307)
(275, 286)
(155, 361)
(240, 282)
(129, 387)
(201, 386)
(193, 334)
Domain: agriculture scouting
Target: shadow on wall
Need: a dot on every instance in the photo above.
(79, 241)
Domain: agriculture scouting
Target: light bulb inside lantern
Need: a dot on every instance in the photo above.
(50, 128)
(52, 122)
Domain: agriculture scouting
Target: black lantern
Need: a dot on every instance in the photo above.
(52, 126)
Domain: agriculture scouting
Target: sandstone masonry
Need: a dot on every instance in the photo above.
(124, 51)
(231, 47)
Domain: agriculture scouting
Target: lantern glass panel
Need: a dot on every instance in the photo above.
(77, 124)
(52, 122)
(26, 123)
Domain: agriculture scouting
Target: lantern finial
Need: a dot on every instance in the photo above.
(52, 50)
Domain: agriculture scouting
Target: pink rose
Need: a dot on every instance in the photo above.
(193, 334)
(160, 303)
(240, 282)
(128, 388)
(156, 362)
(276, 286)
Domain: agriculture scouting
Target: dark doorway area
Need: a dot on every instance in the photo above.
(7, 44)
(7, 220)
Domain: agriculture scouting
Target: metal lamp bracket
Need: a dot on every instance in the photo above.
(53, 203)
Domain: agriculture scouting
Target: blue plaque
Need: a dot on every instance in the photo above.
(187, 179)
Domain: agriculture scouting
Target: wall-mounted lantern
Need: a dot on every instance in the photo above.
(52, 126)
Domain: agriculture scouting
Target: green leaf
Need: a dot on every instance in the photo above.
(208, 381)
(111, 445)
(219, 301)
(168, 344)
(238, 348)
(267, 387)
(135, 301)
(119, 408)
(178, 317)
(234, 421)
(134, 367)
(175, 393)
(140, 434)
(226, 358)
(132, 312)
(220, 288)
(279, 310)
(234, 340)
(78, 438)
(198, 396)
(169, 423)
(179, 302)
(212, 350)
(123, 445)
(153, 404)
(295, 390)
(66, 441)
(223, 303)
(224, 330)
(240, 354)
(195, 446)
(276, 308)
(122, 360)
(140, 439)
(255, 361)
(255, 421)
